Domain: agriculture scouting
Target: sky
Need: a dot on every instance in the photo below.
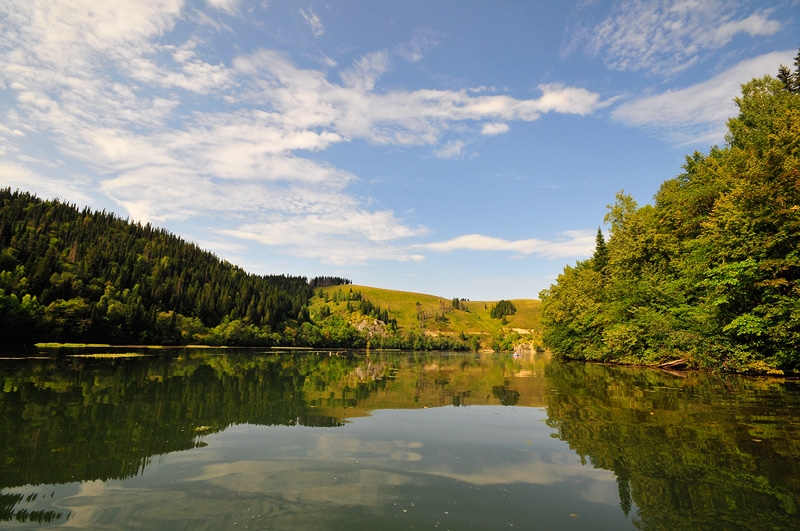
(457, 148)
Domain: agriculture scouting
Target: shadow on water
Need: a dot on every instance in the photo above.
(704, 451)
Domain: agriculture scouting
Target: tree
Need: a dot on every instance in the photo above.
(797, 72)
(600, 252)
(710, 272)
(619, 212)
(98, 278)
(503, 308)
(787, 78)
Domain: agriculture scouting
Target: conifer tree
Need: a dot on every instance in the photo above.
(786, 77)
(600, 251)
(796, 85)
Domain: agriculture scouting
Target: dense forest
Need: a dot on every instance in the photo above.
(710, 272)
(77, 275)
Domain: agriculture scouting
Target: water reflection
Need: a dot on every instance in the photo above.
(76, 418)
(701, 452)
(300, 438)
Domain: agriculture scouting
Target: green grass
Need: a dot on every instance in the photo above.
(110, 355)
(402, 305)
(70, 345)
(106, 345)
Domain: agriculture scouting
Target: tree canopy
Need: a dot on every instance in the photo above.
(709, 272)
(80, 276)
(77, 275)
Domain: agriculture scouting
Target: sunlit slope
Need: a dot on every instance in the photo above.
(415, 311)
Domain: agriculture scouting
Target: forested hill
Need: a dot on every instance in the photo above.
(76, 275)
(710, 273)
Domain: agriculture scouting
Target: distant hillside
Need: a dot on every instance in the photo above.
(434, 316)
(68, 274)
(81, 276)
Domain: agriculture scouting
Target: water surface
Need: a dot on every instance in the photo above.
(193, 439)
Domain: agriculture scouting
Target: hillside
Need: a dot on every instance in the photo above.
(69, 274)
(81, 276)
(434, 316)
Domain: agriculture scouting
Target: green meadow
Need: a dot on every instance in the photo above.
(434, 315)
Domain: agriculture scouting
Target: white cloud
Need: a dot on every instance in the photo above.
(414, 50)
(23, 178)
(494, 128)
(450, 150)
(170, 135)
(202, 19)
(10, 131)
(753, 25)
(365, 72)
(54, 29)
(332, 241)
(567, 100)
(221, 246)
(314, 21)
(576, 243)
(192, 74)
(667, 36)
(305, 98)
(229, 6)
(698, 113)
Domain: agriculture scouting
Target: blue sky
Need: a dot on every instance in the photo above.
(458, 148)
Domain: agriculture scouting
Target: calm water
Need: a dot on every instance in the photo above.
(191, 439)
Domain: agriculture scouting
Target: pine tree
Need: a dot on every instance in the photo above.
(796, 84)
(786, 77)
(600, 251)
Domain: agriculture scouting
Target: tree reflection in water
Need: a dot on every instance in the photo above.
(701, 452)
(704, 451)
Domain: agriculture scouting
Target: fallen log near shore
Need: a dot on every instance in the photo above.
(674, 364)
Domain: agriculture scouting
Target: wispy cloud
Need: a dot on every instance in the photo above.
(450, 150)
(666, 36)
(366, 71)
(103, 86)
(314, 21)
(229, 6)
(23, 178)
(414, 50)
(494, 128)
(573, 244)
(360, 237)
(698, 113)
(305, 98)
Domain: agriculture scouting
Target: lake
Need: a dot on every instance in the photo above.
(268, 439)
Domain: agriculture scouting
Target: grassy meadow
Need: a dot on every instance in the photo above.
(432, 314)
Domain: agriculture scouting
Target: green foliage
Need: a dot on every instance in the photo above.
(70, 275)
(19, 319)
(600, 256)
(328, 281)
(786, 77)
(790, 78)
(711, 272)
(389, 319)
(503, 308)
